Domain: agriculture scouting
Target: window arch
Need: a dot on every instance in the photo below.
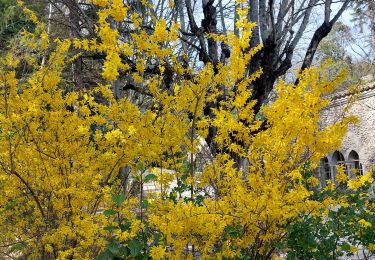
(325, 173)
(338, 158)
(354, 162)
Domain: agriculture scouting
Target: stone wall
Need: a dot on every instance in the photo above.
(360, 138)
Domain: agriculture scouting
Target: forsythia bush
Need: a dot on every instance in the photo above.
(74, 163)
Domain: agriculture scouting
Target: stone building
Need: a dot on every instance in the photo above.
(357, 151)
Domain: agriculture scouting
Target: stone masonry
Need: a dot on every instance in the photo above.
(358, 147)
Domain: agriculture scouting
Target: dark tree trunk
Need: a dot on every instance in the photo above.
(74, 17)
(261, 87)
(318, 36)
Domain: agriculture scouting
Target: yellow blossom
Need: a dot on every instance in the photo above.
(364, 223)
(157, 252)
(341, 176)
(353, 249)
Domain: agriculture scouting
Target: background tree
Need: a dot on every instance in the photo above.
(335, 47)
(12, 21)
(364, 14)
(280, 28)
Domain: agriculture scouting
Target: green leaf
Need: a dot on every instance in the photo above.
(345, 246)
(114, 248)
(109, 212)
(232, 231)
(144, 204)
(105, 255)
(157, 237)
(141, 167)
(110, 228)
(150, 177)
(124, 227)
(118, 199)
(11, 204)
(135, 247)
(17, 247)
(124, 251)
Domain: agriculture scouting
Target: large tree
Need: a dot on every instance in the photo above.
(280, 27)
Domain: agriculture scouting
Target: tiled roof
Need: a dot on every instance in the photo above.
(345, 93)
(342, 97)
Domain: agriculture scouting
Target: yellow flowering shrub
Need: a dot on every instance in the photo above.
(74, 164)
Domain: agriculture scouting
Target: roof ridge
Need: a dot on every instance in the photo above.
(345, 93)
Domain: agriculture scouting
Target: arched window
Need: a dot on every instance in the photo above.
(354, 163)
(338, 158)
(324, 170)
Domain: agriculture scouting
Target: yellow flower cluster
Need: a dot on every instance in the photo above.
(364, 223)
(359, 181)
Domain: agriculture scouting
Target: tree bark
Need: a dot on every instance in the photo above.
(74, 17)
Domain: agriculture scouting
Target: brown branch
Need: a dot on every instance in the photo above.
(318, 36)
(28, 187)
